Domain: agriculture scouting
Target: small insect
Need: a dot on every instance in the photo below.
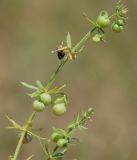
(61, 54)
(62, 51)
(27, 138)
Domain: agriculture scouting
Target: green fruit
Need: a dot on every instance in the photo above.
(38, 106)
(45, 98)
(103, 19)
(62, 143)
(56, 136)
(117, 28)
(59, 109)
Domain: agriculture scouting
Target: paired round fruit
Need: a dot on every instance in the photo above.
(59, 105)
(118, 25)
(59, 109)
(103, 19)
(59, 137)
(38, 106)
(117, 28)
(56, 136)
(45, 98)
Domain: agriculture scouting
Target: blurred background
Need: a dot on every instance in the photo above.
(104, 76)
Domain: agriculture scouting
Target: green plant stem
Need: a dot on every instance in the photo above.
(83, 40)
(53, 76)
(27, 126)
(74, 49)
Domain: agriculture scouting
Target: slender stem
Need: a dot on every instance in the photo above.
(19, 145)
(53, 76)
(74, 49)
(83, 40)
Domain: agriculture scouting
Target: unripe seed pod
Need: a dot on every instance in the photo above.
(117, 28)
(45, 98)
(62, 143)
(56, 136)
(59, 109)
(103, 19)
(38, 106)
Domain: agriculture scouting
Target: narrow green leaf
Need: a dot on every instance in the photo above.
(77, 119)
(69, 42)
(16, 125)
(39, 84)
(89, 20)
(56, 89)
(29, 86)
